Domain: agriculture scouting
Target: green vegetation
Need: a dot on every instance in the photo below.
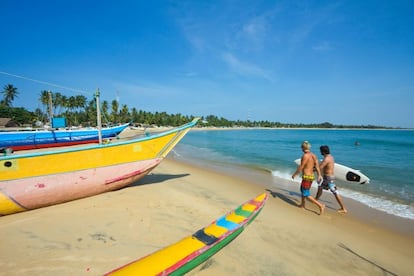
(79, 111)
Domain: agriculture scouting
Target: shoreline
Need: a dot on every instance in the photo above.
(94, 235)
(356, 209)
(292, 128)
(390, 189)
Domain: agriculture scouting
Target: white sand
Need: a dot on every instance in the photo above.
(97, 234)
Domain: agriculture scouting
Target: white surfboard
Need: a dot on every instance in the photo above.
(347, 174)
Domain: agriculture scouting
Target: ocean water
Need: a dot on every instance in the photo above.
(385, 156)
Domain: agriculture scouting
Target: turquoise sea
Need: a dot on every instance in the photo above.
(385, 156)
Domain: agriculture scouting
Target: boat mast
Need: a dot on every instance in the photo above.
(98, 116)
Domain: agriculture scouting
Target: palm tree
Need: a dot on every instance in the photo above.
(114, 113)
(80, 101)
(90, 111)
(134, 115)
(9, 93)
(124, 114)
(71, 107)
(80, 105)
(57, 102)
(104, 111)
(63, 103)
(44, 99)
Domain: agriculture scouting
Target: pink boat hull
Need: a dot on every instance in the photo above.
(48, 190)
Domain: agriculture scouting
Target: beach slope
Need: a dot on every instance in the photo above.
(94, 235)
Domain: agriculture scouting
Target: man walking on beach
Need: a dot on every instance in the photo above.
(327, 169)
(308, 163)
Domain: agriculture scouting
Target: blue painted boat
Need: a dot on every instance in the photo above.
(36, 179)
(36, 139)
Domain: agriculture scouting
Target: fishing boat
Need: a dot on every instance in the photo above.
(36, 139)
(188, 253)
(39, 178)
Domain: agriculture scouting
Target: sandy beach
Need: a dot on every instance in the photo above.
(94, 235)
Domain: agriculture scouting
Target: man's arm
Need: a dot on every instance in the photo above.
(300, 167)
(323, 164)
(317, 167)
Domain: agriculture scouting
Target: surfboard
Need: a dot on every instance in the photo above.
(183, 256)
(347, 174)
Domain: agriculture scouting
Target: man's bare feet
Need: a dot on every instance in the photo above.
(322, 208)
(301, 207)
(343, 211)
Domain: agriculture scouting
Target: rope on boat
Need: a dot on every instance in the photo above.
(43, 82)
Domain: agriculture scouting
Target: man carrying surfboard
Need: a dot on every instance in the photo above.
(308, 163)
(327, 169)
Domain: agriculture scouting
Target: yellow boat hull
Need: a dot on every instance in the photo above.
(183, 256)
(38, 179)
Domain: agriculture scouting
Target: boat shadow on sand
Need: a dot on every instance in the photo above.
(155, 178)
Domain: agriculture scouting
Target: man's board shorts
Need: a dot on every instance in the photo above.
(306, 184)
(328, 183)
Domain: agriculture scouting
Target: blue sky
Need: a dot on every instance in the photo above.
(343, 62)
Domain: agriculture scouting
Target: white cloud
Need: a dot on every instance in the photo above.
(255, 29)
(244, 68)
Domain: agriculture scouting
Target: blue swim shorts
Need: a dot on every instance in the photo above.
(305, 192)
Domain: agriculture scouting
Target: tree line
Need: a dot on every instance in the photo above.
(78, 110)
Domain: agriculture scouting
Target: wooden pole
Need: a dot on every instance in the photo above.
(98, 115)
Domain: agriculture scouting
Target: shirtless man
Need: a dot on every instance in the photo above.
(327, 169)
(308, 163)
